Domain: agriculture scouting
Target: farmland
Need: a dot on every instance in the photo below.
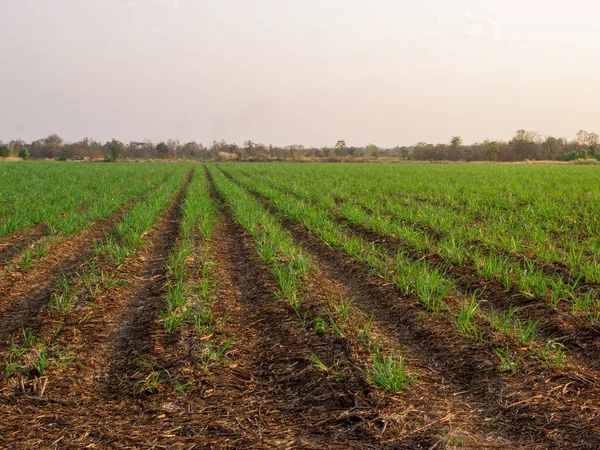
(236, 305)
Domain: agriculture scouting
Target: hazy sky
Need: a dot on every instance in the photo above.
(390, 72)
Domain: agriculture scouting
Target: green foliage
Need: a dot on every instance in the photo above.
(23, 154)
(4, 151)
(113, 150)
(388, 372)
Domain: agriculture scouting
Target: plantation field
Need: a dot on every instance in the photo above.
(267, 305)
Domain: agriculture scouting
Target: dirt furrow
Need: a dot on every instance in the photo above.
(19, 241)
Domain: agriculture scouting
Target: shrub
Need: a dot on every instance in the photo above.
(4, 151)
(23, 153)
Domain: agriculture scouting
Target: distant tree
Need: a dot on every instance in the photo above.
(23, 153)
(456, 141)
(525, 145)
(193, 150)
(65, 152)
(341, 149)
(236, 150)
(405, 152)
(587, 140)
(16, 145)
(294, 149)
(217, 147)
(426, 152)
(174, 148)
(373, 151)
(113, 150)
(51, 146)
(492, 150)
(162, 150)
(575, 155)
(262, 151)
(326, 152)
(4, 151)
(552, 147)
(249, 147)
(456, 151)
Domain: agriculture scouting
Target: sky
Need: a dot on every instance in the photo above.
(388, 72)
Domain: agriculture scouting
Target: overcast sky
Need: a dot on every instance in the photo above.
(390, 72)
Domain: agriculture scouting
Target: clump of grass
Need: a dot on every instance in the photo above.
(388, 372)
(64, 297)
(318, 363)
(506, 363)
(465, 319)
(215, 353)
(553, 353)
(320, 325)
(510, 324)
(40, 359)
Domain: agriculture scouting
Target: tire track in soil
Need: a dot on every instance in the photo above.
(528, 408)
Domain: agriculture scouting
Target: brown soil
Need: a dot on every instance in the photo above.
(19, 241)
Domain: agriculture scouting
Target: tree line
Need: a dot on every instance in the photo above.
(525, 145)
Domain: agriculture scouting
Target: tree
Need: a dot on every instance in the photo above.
(552, 146)
(193, 150)
(492, 150)
(218, 147)
(456, 152)
(4, 151)
(326, 152)
(525, 145)
(294, 149)
(341, 149)
(51, 146)
(589, 141)
(113, 150)
(249, 147)
(16, 145)
(373, 151)
(24, 153)
(456, 141)
(162, 150)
